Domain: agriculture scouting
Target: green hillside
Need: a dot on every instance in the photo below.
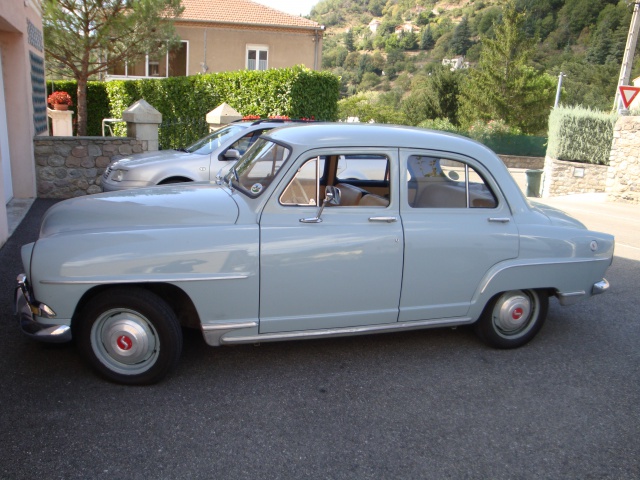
(584, 39)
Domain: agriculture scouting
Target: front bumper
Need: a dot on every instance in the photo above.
(28, 309)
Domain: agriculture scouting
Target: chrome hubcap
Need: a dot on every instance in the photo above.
(513, 312)
(125, 341)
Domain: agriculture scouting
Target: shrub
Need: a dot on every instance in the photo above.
(580, 134)
(442, 124)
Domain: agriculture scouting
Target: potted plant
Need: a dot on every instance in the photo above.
(60, 100)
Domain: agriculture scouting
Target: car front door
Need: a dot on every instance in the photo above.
(457, 225)
(343, 270)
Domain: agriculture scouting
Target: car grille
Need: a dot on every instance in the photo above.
(107, 172)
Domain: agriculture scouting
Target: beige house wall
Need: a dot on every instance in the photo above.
(226, 47)
(20, 35)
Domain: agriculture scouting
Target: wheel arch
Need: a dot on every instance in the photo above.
(175, 179)
(174, 296)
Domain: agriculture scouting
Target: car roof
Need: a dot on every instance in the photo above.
(319, 135)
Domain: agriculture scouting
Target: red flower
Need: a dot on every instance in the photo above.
(59, 98)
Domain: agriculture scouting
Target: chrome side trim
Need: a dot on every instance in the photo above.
(348, 331)
(212, 333)
(570, 298)
(600, 287)
(148, 279)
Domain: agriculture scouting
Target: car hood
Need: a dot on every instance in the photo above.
(149, 158)
(147, 208)
(556, 216)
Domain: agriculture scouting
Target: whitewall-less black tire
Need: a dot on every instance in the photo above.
(129, 336)
(513, 318)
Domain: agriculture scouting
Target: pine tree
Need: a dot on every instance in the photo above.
(348, 41)
(503, 86)
(426, 39)
(461, 40)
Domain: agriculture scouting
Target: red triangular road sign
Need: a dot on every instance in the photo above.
(627, 94)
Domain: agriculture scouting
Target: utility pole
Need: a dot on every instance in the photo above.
(629, 51)
(560, 77)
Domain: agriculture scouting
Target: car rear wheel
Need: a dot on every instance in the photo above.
(129, 336)
(513, 318)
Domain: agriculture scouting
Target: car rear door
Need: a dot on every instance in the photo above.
(451, 239)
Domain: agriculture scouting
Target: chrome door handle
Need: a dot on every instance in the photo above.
(383, 219)
(499, 219)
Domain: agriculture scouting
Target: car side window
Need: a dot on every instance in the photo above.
(363, 181)
(305, 185)
(362, 168)
(443, 183)
(245, 142)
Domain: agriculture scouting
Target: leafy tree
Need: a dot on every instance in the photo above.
(408, 41)
(87, 37)
(435, 96)
(503, 86)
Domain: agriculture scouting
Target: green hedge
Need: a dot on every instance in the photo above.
(97, 102)
(498, 139)
(521, 145)
(295, 92)
(578, 134)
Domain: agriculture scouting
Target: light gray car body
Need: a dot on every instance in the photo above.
(246, 268)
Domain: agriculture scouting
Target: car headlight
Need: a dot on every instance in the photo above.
(118, 175)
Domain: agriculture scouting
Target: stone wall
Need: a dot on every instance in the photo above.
(530, 163)
(565, 178)
(623, 177)
(73, 166)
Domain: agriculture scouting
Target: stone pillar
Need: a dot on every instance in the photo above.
(61, 122)
(221, 116)
(623, 175)
(142, 124)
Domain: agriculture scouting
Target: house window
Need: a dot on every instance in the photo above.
(257, 56)
(169, 64)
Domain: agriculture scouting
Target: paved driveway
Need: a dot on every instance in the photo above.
(431, 404)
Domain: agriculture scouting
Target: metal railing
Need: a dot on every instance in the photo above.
(106, 125)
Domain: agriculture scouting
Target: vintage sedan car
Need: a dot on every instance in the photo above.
(285, 247)
(211, 155)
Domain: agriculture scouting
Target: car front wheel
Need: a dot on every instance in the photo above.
(129, 336)
(513, 318)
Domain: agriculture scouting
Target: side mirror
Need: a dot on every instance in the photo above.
(231, 154)
(332, 197)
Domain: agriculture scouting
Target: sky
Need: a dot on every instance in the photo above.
(294, 7)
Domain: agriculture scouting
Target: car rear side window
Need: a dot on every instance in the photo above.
(443, 183)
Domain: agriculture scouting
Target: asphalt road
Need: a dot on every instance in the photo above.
(430, 404)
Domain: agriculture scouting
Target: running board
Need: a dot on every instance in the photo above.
(346, 331)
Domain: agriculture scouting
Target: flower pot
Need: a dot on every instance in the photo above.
(60, 106)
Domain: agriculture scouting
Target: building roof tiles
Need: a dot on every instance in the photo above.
(243, 12)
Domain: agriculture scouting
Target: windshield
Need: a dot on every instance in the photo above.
(258, 167)
(208, 144)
